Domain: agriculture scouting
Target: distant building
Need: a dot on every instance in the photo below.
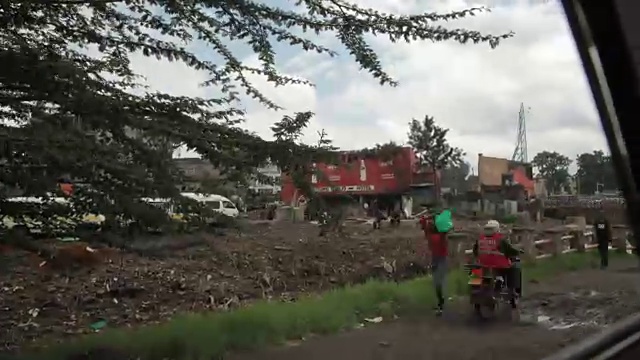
(197, 171)
(494, 174)
(501, 178)
(273, 186)
(392, 182)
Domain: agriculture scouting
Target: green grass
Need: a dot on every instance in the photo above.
(210, 335)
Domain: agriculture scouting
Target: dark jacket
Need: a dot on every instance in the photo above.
(602, 232)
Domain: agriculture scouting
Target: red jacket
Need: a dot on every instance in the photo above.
(489, 254)
(437, 241)
(438, 244)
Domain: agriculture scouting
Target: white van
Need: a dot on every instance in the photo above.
(217, 203)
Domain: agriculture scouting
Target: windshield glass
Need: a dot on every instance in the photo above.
(380, 179)
(213, 204)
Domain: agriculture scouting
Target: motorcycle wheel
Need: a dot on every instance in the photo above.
(484, 312)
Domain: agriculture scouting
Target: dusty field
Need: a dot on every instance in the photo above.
(278, 261)
(555, 314)
(198, 273)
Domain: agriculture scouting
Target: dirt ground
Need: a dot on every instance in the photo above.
(197, 273)
(169, 275)
(554, 314)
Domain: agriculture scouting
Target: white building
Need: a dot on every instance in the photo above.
(274, 174)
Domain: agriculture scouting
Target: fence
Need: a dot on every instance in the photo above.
(557, 241)
(583, 201)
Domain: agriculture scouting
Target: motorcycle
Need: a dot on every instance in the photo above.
(488, 292)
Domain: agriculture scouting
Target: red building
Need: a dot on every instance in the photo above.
(366, 176)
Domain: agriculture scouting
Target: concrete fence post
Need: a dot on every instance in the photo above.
(528, 245)
(619, 243)
(557, 245)
(458, 246)
(578, 241)
(619, 238)
(588, 239)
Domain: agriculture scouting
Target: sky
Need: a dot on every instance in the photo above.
(473, 90)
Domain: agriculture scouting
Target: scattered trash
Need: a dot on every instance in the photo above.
(98, 325)
(68, 239)
(374, 320)
(34, 312)
(294, 342)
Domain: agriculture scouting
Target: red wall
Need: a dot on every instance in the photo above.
(382, 177)
(520, 176)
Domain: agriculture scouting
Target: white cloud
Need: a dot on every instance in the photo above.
(174, 78)
(471, 89)
(477, 91)
(291, 98)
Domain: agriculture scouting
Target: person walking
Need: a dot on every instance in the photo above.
(602, 231)
(378, 216)
(437, 252)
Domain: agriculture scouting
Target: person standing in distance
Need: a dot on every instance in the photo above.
(602, 231)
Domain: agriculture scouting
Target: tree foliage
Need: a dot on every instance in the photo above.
(384, 152)
(455, 177)
(554, 168)
(66, 112)
(295, 158)
(429, 140)
(596, 172)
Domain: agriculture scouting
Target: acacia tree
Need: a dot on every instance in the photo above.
(456, 176)
(429, 141)
(596, 172)
(87, 117)
(554, 168)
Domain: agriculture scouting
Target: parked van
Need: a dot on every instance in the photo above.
(217, 203)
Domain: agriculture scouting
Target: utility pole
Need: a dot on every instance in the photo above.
(520, 151)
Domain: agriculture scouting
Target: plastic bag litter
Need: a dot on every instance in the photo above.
(444, 221)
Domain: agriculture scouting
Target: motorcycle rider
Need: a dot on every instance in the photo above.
(493, 250)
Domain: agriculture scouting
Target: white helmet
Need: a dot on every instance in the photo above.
(492, 224)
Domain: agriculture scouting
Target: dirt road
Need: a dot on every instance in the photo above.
(555, 313)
